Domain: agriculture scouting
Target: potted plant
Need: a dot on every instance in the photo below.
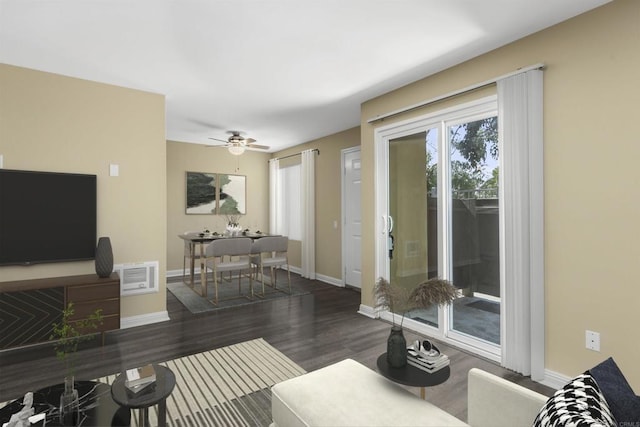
(68, 334)
(431, 292)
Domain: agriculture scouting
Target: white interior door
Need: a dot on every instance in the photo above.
(352, 218)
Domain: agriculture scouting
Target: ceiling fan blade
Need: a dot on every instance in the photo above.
(259, 147)
(249, 140)
(221, 140)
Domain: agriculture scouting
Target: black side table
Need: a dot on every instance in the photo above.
(97, 408)
(152, 395)
(412, 376)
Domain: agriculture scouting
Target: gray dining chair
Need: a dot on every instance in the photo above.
(272, 252)
(228, 255)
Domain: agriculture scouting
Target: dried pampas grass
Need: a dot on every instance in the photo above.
(432, 292)
(426, 294)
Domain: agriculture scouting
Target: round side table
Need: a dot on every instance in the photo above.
(153, 394)
(412, 376)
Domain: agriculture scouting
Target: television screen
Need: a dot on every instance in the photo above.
(46, 217)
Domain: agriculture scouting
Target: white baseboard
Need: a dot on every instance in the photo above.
(178, 273)
(554, 380)
(368, 311)
(143, 319)
(330, 280)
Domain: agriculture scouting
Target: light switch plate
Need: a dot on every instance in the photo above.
(114, 170)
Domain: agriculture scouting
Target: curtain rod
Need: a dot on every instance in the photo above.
(467, 89)
(296, 154)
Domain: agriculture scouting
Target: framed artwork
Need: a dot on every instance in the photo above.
(201, 193)
(232, 198)
(216, 193)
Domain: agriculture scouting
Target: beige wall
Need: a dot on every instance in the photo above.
(328, 200)
(54, 123)
(183, 157)
(591, 177)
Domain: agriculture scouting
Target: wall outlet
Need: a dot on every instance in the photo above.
(593, 340)
(1, 161)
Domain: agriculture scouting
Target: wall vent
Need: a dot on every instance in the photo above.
(138, 278)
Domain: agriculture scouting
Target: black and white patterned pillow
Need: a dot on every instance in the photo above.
(579, 403)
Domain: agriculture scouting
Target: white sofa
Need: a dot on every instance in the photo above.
(350, 394)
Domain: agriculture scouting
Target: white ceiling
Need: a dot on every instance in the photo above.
(283, 71)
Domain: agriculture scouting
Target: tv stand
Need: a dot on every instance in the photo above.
(30, 307)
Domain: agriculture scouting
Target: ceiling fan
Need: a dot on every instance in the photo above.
(236, 143)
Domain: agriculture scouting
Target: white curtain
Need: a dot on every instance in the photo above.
(521, 149)
(308, 214)
(274, 165)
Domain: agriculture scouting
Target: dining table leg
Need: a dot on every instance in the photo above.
(192, 263)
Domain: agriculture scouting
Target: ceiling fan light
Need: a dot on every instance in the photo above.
(236, 149)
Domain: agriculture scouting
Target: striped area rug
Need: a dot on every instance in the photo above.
(229, 386)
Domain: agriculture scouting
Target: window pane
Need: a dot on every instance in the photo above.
(289, 199)
(475, 233)
(413, 207)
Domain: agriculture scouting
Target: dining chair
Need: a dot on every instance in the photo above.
(228, 255)
(272, 252)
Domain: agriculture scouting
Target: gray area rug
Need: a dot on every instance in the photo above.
(228, 293)
(229, 386)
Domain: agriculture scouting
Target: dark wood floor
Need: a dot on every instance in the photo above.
(313, 330)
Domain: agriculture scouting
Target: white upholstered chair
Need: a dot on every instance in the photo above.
(228, 255)
(272, 252)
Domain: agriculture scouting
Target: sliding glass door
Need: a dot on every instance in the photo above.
(413, 209)
(442, 220)
(474, 229)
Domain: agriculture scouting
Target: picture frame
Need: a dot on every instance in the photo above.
(210, 193)
(201, 193)
(232, 195)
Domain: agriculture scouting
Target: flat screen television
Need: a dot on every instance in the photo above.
(46, 217)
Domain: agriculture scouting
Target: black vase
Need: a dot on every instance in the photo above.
(104, 257)
(397, 348)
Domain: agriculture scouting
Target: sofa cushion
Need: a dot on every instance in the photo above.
(350, 394)
(624, 404)
(579, 403)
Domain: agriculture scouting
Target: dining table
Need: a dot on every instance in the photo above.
(201, 240)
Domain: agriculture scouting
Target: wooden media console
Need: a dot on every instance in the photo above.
(28, 308)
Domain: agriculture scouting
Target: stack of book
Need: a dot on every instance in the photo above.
(141, 378)
(427, 362)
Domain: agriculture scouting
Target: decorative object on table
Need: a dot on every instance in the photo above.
(233, 226)
(426, 356)
(138, 379)
(400, 300)
(69, 403)
(104, 257)
(68, 334)
(21, 418)
(397, 348)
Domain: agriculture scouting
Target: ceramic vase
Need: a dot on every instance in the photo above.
(104, 257)
(69, 403)
(396, 348)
